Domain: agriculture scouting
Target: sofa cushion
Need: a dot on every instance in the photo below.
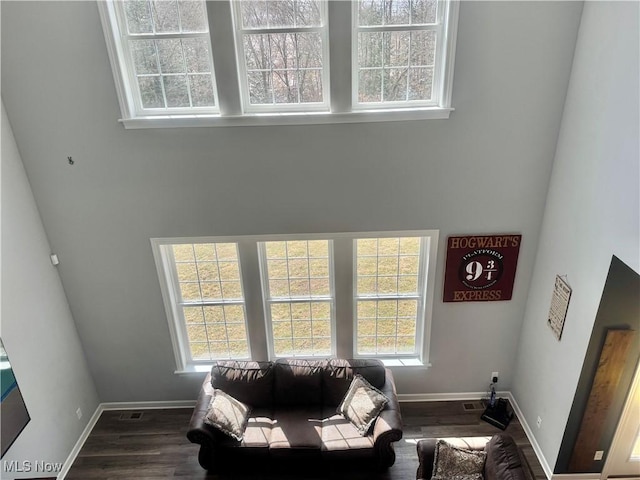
(298, 382)
(503, 459)
(257, 433)
(339, 434)
(457, 463)
(339, 373)
(297, 428)
(227, 414)
(248, 382)
(362, 404)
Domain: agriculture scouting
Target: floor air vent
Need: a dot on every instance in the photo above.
(131, 416)
(472, 406)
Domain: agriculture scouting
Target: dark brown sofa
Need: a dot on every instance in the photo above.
(505, 460)
(294, 415)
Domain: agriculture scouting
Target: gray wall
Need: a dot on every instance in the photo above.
(485, 170)
(38, 331)
(592, 213)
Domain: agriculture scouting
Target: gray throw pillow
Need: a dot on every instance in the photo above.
(454, 463)
(362, 404)
(227, 414)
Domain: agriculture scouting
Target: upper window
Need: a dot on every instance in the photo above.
(396, 43)
(164, 50)
(282, 54)
(396, 57)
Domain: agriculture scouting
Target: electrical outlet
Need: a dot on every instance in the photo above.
(599, 454)
(79, 413)
(494, 377)
(539, 422)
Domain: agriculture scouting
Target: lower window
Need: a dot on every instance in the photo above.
(390, 288)
(293, 308)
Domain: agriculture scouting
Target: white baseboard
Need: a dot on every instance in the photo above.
(577, 476)
(115, 406)
(148, 405)
(548, 471)
(66, 466)
(442, 397)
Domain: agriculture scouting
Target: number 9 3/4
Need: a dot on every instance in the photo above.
(481, 269)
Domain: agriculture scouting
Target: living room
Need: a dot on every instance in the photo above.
(543, 142)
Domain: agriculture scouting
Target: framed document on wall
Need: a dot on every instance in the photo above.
(559, 306)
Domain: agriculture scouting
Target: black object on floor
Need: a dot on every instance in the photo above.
(498, 415)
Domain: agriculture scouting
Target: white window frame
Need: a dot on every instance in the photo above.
(426, 276)
(268, 300)
(323, 30)
(167, 272)
(257, 324)
(114, 24)
(338, 106)
(443, 69)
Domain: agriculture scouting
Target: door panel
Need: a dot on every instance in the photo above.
(623, 460)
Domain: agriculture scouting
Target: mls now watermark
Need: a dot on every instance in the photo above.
(15, 466)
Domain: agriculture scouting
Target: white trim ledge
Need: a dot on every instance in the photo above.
(442, 397)
(148, 405)
(581, 476)
(271, 119)
(66, 466)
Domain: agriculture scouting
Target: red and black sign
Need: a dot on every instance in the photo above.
(481, 268)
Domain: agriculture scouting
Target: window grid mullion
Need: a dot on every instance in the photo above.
(160, 76)
(406, 97)
(396, 28)
(273, 100)
(279, 30)
(308, 267)
(218, 270)
(291, 326)
(286, 252)
(195, 260)
(179, 17)
(210, 303)
(186, 72)
(226, 331)
(164, 36)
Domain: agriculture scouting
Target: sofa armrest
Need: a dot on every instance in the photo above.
(388, 426)
(199, 432)
(426, 453)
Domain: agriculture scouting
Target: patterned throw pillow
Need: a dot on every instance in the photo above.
(227, 414)
(362, 404)
(453, 463)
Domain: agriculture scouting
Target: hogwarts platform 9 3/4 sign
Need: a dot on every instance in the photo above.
(481, 268)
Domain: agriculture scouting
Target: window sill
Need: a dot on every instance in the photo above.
(197, 369)
(402, 363)
(311, 118)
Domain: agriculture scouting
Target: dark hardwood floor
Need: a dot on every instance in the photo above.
(155, 446)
